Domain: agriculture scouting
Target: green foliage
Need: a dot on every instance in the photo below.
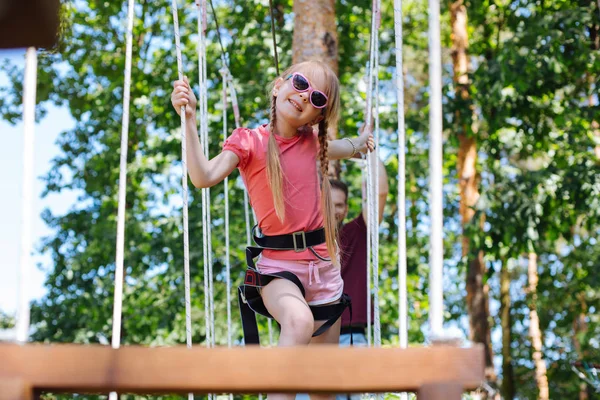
(6, 321)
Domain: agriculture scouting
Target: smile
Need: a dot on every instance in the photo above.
(295, 105)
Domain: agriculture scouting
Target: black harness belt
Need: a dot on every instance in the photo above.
(249, 296)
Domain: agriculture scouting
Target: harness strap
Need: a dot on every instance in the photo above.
(251, 302)
(297, 241)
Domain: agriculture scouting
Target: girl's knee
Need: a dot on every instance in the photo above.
(300, 325)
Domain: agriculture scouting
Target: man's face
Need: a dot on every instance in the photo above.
(339, 205)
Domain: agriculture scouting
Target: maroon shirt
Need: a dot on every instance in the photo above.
(353, 245)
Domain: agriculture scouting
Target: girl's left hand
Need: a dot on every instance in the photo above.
(365, 140)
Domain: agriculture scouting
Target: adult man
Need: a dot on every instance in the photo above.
(353, 249)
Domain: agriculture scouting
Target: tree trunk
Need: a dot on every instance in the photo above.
(508, 378)
(534, 330)
(477, 291)
(315, 32)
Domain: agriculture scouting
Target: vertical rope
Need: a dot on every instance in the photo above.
(402, 273)
(118, 295)
(208, 201)
(201, 99)
(274, 39)
(29, 93)
(436, 295)
(375, 191)
(120, 250)
(370, 72)
(186, 249)
(236, 115)
(225, 76)
(226, 195)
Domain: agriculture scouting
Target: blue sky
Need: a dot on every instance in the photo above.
(11, 165)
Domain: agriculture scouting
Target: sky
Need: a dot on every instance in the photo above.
(11, 167)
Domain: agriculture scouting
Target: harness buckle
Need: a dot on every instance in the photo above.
(301, 235)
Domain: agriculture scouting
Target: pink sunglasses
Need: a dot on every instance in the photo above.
(301, 84)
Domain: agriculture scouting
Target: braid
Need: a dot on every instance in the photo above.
(274, 171)
(272, 116)
(324, 147)
(326, 202)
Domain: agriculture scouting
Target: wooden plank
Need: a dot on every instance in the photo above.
(12, 388)
(25, 23)
(324, 368)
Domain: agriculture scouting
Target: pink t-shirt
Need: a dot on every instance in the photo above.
(301, 188)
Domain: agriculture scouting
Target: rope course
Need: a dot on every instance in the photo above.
(228, 94)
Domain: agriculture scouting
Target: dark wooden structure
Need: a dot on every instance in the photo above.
(26, 23)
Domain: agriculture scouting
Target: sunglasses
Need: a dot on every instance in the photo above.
(300, 84)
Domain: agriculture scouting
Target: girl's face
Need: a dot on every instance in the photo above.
(295, 107)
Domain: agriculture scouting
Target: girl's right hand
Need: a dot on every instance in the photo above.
(183, 95)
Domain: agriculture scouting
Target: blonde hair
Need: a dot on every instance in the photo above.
(330, 118)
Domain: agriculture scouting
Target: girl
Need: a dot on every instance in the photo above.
(278, 163)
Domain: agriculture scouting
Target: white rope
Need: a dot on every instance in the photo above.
(402, 273)
(203, 139)
(29, 93)
(247, 217)
(236, 115)
(118, 296)
(119, 259)
(210, 269)
(375, 192)
(186, 248)
(204, 122)
(227, 244)
(370, 72)
(226, 195)
(436, 251)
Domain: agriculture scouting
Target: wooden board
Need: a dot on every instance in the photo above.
(326, 369)
(25, 23)
(14, 389)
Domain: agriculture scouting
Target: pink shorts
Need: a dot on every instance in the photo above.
(322, 280)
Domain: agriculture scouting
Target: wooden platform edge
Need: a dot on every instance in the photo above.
(323, 369)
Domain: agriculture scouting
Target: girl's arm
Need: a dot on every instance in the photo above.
(346, 147)
(203, 173)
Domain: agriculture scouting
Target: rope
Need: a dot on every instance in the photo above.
(369, 173)
(236, 115)
(208, 200)
(274, 39)
(204, 122)
(223, 52)
(186, 249)
(226, 195)
(118, 296)
(436, 250)
(119, 258)
(402, 273)
(201, 100)
(23, 312)
(375, 191)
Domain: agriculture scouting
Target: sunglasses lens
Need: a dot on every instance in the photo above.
(300, 83)
(318, 99)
